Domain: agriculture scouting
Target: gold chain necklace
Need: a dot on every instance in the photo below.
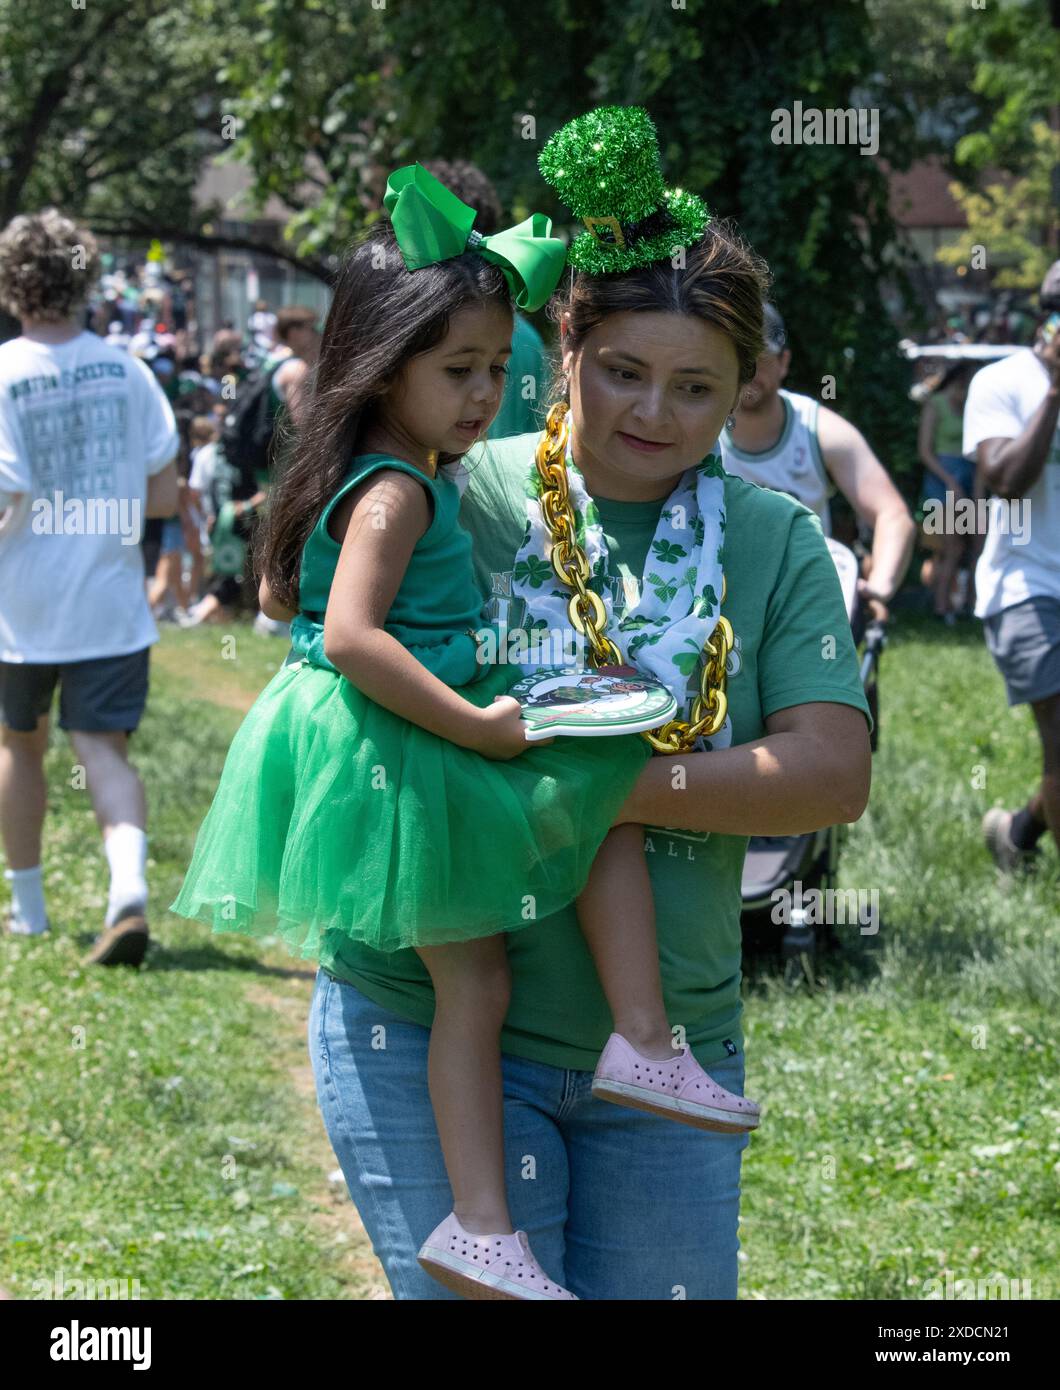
(586, 609)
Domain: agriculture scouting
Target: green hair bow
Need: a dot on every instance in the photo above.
(431, 224)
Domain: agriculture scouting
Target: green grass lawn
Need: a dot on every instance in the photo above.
(160, 1125)
(914, 1112)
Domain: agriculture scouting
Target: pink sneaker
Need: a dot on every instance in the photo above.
(481, 1267)
(678, 1090)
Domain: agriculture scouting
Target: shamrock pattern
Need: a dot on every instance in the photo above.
(533, 570)
(667, 553)
(678, 606)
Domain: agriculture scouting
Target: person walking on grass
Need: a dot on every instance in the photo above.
(947, 470)
(87, 443)
(1010, 427)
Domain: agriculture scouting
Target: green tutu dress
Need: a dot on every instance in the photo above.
(337, 820)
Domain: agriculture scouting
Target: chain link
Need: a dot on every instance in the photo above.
(586, 609)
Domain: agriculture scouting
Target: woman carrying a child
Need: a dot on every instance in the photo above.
(577, 900)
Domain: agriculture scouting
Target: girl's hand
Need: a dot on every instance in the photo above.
(501, 731)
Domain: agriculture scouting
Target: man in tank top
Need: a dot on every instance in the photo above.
(791, 443)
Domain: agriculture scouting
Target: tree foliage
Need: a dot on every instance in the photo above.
(363, 90)
(1011, 221)
(1012, 50)
(109, 109)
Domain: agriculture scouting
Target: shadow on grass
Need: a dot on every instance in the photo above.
(835, 965)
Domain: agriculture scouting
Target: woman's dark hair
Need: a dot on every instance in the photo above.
(723, 281)
(957, 372)
(380, 317)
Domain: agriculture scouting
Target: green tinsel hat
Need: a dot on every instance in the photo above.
(605, 168)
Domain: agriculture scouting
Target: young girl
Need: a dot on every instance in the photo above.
(381, 789)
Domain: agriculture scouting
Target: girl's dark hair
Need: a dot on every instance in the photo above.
(380, 317)
(723, 281)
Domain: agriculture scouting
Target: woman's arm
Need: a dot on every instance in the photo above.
(388, 513)
(812, 770)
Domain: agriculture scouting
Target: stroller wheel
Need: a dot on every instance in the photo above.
(798, 941)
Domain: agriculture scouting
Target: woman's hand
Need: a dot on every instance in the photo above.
(501, 731)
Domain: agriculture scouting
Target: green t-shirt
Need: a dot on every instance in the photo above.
(519, 410)
(784, 602)
(949, 428)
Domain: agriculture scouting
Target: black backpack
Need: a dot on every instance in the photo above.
(248, 430)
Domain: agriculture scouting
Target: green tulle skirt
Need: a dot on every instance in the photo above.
(337, 820)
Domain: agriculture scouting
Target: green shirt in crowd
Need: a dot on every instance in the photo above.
(526, 368)
(793, 646)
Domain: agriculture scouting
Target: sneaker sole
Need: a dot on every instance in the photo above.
(674, 1108)
(125, 943)
(451, 1271)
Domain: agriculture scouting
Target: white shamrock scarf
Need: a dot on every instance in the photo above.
(680, 592)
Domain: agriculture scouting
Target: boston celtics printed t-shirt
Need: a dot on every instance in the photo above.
(82, 427)
(793, 646)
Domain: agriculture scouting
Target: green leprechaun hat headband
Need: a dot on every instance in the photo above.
(605, 168)
(431, 224)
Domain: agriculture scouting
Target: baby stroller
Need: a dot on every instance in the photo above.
(781, 870)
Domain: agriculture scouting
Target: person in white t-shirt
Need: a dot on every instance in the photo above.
(1011, 428)
(791, 443)
(87, 449)
(262, 326)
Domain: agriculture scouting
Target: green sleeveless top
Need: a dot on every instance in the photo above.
(438, 603)
(949, 428)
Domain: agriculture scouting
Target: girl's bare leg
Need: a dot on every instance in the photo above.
(168, 579)
(945, 573)
(617, 916)
(198, 569)
(472, 988)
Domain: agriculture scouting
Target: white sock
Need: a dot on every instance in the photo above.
(126, 851)
(27, 901)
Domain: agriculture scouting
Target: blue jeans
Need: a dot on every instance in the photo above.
(962, 469)
(618, 1204)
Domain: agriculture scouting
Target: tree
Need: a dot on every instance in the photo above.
(1013, 49)
(110, 109)
(489, 81)
(1009, 223)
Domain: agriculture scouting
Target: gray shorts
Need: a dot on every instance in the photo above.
(1024, 641)
(104, 696)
